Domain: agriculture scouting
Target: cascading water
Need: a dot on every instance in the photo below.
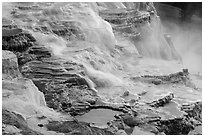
(120, 50)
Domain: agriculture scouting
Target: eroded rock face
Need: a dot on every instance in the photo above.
(9, 65)
(22, 100)
(76, 128)
(162, 101)
(52, 58)
(176, 126)
(193, 110)
(61, 88)
(175, 78)
(18, 93)
(22, 96)
(16, 40)
(15, 124)
(140, 23)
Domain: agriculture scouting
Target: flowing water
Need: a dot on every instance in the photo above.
(111, 70)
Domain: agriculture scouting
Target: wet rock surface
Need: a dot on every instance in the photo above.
(179, 77)
(45, 89)
(161, 102)
(9, 65)
(18, 123)
(76, 128)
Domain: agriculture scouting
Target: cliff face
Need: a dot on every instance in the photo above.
(65, 59)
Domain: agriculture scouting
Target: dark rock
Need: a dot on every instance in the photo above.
(40, 125)
(40, 51)
(76, 127)
(177, 126)
(115, 125)
(16, 40)
(126, 93)
(68, 29)
(156, 82)
(129, 120)
(57, 79)
(193, 110)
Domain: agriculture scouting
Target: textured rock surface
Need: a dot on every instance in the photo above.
(17, 124)
(16, 40)
(18, 93)
(76, 128)
(176, 126)
(162, 101)
(23, 101)
(62, 60)
(179, 77)
(193, 110)
(141, 25)
(9, 65)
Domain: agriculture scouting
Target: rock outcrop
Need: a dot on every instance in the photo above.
(57, 57)
(175, 78)
(15, 124)
(162, 101)
(9, 65)
(140, 26)
(16, 40)
(76, 128)
(22, 102)
(18, 93)
(193, 110)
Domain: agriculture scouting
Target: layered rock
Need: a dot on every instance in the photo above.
(162, 101)
(175, 78)
(76, 128)
(126, 21)
(69, 51)
(193, 110)
(68, 30)
(58, 77)
(19, 93)
(150, 123)
(24, 106)
(20, 98)
(58, 80)
(140, 23)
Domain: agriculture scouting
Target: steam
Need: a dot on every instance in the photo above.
(187, 39)
(102, 79)
(185, 27)
(56, 44)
